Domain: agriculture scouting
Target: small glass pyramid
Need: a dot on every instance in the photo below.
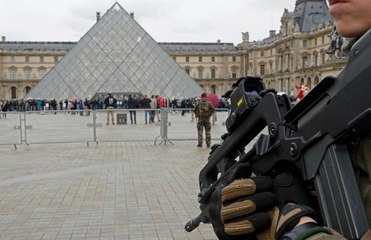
(115, 56)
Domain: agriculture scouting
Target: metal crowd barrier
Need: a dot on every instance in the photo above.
(90, 127)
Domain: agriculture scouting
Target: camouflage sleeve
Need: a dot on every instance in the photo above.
(361, 156)
(325, 234)
(195, 110)
(313, 233)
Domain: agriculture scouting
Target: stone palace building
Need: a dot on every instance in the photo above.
(296, 54)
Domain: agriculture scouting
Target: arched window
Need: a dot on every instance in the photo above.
(309, 83)
(305, 61)
(27, 89)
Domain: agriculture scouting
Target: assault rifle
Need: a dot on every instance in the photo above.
(312, 136)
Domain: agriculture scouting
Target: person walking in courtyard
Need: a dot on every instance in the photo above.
(132, 105)
(203, 111)
(110, 104)
(146, 104)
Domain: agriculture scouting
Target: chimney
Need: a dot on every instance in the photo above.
(3, 38)
(272, 33)
(98, 16)
(132, 15)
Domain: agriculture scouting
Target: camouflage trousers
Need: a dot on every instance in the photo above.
(201, 124)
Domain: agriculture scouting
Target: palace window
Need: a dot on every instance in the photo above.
(262, 69)
(42, 72)
(27, 73)
(234, 72)
(213, 73)
(200, 59)
(213, 59)
(305, 43)
(27, 89)
(200, 72)
(187, 59)
(13, 92)
(13, 73)
(213, 89)
(305, 61)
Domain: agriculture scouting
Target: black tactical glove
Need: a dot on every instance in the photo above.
(240, 205)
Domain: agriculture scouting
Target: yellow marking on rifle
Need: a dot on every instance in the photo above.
(239, 102)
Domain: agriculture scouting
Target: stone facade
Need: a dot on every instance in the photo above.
(23, 64)
(292, 57)
(295, 55)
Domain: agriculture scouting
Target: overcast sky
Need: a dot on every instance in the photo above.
(164, 20)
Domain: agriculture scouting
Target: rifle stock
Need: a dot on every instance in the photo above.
(312, 135)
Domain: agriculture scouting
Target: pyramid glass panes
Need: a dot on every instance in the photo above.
(115, 55)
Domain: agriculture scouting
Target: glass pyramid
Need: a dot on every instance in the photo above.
(118, 56)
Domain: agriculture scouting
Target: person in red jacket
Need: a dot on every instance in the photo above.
(302, 91)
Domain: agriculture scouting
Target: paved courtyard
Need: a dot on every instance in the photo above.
(120, 188)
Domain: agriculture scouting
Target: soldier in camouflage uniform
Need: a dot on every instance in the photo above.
(203, 111)
(352, 20)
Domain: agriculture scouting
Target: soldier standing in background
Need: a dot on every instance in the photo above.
(203, 111)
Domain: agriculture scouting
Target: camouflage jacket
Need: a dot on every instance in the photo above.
(204, 110)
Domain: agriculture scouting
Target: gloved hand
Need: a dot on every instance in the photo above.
(244, 206)
(241, 204)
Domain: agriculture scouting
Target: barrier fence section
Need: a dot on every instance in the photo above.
(91, 127)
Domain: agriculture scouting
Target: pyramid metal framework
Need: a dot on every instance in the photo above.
(116, 55)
